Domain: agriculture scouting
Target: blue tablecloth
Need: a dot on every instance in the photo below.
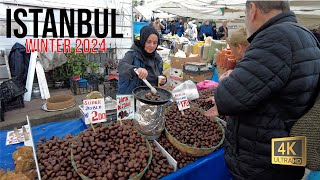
(58, 129)
(211, 166)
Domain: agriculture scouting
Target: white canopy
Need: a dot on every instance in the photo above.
(308, 12)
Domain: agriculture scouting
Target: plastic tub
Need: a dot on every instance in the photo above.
(138, 25)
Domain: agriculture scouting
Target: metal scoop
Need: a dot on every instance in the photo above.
(153, 90)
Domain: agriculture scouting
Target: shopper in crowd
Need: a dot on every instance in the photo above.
(143, 58)
(173, 29)
(205, 30)
(180, 28)
(238, 44)
(157, 25)
(214, 32)
(223, 30)
(191, 31)
(199, 24)
(269, 90)
(166, 28)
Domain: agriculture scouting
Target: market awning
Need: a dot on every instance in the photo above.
(308, 12)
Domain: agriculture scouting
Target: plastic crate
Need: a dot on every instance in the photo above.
(110, 88)
(137, 26)
(1, 112)
(15, 103)
(84, 85)
(11, 88)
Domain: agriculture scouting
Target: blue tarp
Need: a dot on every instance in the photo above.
(58, 129)
(211, 166)
(215, 76)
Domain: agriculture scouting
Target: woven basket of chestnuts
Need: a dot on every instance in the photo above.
(112, 151)
(193, 133)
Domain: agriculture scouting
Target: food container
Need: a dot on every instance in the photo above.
(60, 102)
(170, 159)
(149, 119)
(137, 177)
(195, 151)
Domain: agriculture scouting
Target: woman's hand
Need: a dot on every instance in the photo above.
(212, 112)
(225, 74)
(210, 99)
(143, 73)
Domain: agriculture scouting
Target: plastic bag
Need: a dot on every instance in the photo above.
(207, 84)
(189, 88)
(180, 54)
(51, 60)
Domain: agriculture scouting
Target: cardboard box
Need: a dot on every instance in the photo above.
(195, 77)
(178, 63)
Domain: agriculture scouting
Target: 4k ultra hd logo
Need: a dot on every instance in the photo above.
(289, 151)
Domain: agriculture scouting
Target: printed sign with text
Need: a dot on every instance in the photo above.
(182, 101)
(95, 109)
(125, 107)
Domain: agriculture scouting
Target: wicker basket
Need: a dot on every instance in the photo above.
(60, 102)
(137, 177)
(194, 151)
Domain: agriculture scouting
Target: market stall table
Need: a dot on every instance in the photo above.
(211, 166)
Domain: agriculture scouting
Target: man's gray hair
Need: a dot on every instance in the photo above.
(267, 6)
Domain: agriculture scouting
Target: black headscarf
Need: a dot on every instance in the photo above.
(145, 32)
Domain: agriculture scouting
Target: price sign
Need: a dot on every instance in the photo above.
(95, 110)
(182, 101)
(125, 107)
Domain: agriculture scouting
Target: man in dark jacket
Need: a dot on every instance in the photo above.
(214, 32)
(223, 30)
(268, 91)
(173, 29)
(180, 28)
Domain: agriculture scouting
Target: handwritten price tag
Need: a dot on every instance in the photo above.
(95, 110)
(182, 101)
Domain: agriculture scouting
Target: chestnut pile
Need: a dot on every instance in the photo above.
(183, 159)
(159, 166)
(202, 104)
(193, 129)
(152, 97)
(201, 101)
(206, 93)
(111, 152)
(54, 158)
